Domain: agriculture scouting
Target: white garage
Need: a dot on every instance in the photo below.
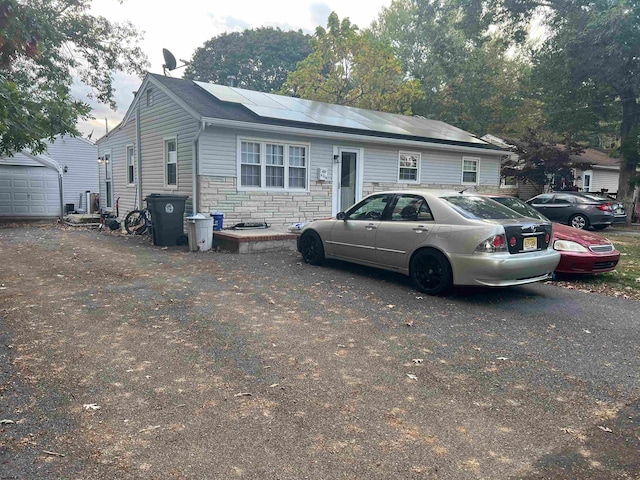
(29, 191)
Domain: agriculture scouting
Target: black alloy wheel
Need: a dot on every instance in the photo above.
(311, 248)
(430, 272)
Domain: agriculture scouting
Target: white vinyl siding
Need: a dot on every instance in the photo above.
(272, 165)
(409, 167)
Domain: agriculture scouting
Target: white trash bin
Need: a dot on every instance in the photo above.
(200, 232)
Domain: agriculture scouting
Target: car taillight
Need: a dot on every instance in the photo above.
(547, 238)
(496, 243)
(605, 207)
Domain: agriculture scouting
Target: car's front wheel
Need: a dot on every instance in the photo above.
(430, 272)
(311, 248)
(579, 221)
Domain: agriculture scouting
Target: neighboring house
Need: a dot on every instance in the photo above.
(595, 171)
(260, 157)
(42, 186)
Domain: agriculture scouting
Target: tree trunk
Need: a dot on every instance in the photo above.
(629, 133)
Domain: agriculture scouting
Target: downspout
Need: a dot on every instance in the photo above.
(139, 158)
(194, 155)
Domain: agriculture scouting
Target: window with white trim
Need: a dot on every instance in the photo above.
(108, 190)
(266, 165)
(409, 167)
(150, 97)
(131, 162)
(470, 167)
(171, 161)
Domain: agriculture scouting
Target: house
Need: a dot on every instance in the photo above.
(595, 171)
(49, 184)
(260, 157)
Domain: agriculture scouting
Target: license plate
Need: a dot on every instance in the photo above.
(530, 243)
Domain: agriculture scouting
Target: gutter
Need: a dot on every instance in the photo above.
(194, 155)
(349, 136)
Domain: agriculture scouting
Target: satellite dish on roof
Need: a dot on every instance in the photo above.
(170, 61)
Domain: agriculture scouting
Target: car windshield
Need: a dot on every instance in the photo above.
(520, 207)
(481, 208)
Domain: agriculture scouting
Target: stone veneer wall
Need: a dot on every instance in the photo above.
(220, 194)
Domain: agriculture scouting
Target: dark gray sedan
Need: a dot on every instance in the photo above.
(574, 209)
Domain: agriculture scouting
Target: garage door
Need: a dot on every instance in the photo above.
(29, 191)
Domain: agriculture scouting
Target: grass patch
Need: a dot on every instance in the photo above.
(624, 281)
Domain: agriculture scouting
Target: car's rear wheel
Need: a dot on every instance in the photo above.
(430, 272)
(311, 248)
(579, 221)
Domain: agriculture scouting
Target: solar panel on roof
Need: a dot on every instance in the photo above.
(226, 94)
(308, 111)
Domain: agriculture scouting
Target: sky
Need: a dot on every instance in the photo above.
(185, 25)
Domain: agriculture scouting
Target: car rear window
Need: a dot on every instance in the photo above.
(520, 207)
(481, 208)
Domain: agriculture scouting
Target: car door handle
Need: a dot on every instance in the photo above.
(370, 227)
(420, 229)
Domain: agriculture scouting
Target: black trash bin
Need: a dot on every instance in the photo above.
(167, 218)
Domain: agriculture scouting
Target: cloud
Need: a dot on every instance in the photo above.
(236, 24)
(319, 13)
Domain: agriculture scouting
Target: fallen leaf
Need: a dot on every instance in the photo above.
(409, 323)
(412, 376)
(391, 306)
(586, 331)
(502, 358)
(91, 406)
(6, 421)
(242, 394)
(605, 429)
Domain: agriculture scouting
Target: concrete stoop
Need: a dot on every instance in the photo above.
(254, 241)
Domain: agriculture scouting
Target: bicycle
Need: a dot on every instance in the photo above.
(138, 222)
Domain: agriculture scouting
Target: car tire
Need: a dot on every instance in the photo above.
(430, 272)
(579, 221)
(311, 248)
(600, 227)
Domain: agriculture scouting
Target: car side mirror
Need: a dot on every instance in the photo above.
(341, 216)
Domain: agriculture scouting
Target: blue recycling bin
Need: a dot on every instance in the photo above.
(218, 219)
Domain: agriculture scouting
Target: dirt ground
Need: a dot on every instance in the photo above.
(121, 360)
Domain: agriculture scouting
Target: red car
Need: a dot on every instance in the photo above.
(580, 251)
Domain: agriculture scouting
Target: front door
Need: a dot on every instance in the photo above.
(347, 177)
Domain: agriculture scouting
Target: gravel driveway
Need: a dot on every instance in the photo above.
(122, 360)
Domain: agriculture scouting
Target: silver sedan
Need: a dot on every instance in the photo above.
(438, 238)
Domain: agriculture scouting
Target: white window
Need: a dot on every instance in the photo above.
(265, 165)
(131, 163)
(409, 167)
(107, 181)
(171, 162)
(470, 167)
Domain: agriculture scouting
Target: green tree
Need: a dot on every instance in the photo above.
(259, 59)
(44, 44)
(354, 68)
(587, 64)
(472, 81)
